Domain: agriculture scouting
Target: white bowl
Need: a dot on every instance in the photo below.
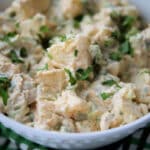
(74, 140)
(78, 140)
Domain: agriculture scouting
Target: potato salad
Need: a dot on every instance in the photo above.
(74, 65)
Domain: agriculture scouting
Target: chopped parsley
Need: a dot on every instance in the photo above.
(125, 30)
(115, 16)
(115, 56)
(131, 32)
(125, 48)
(128, 21)
(110, 82)
(63, 38)
(4, 85)
(76, 52)
(109, 43)
(82, 74)
(105, 95)
(124, 22)
(43, 68)
(14, 57)
(72, 79)
(116, 35)
(8, 36)
(44, 29)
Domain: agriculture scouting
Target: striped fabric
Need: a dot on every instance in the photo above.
(11, 141)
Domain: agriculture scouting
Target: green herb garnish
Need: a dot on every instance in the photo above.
(128, 21)
(63, 38)
(115, 16)
(115, 56)
(110, 82)
(124, 22)
(125, 48)
(109, 43)
(4, 85)
(131, 32)
(14, 57)
(122, 35)
(105, 95)
(82, 74)
(44, 29)
(8, 36)
(72, 79)
(76, 52)
(116, 35)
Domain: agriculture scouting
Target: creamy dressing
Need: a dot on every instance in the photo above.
(75, 65)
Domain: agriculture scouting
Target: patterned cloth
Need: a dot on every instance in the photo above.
(11, 141)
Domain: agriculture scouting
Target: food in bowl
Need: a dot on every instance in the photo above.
(74, 66)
